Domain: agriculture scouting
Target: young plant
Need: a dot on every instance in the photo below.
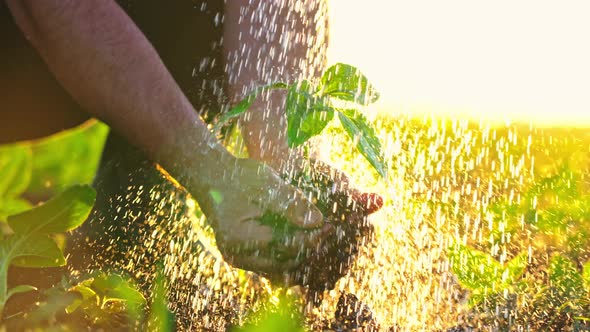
(311, 107)
(28, 242)
(482, 274)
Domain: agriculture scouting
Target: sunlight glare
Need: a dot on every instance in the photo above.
(490, 60)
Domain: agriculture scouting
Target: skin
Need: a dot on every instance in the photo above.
(284, 58)
(104, 62)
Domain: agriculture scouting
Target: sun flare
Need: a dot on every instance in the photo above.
(495, 61)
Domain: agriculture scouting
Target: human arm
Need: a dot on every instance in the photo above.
(267, 42)
(103, 60)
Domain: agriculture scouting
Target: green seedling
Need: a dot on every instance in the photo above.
(311, 107)
(482, 274)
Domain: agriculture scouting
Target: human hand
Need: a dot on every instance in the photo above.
(345, 209)
(240, 196)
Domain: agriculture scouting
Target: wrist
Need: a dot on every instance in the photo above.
(195, 158)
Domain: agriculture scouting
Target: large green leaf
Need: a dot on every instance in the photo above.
(65, 159)
(15, 170)
(12, 206)
(31, 250)
(347, 83)
(62, 213)
(364, 135)
(307, 115)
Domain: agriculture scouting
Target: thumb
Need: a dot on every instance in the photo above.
(370, 202)
(297, 208)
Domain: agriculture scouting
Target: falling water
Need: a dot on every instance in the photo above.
(444, 174)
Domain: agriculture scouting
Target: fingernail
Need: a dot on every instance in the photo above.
(315, 218)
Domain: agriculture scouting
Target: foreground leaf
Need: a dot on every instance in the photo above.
(358, 128)
(31, 250)
(15, 170)
(20, 289)
(115, 287)
(347, 83)
(12, 206)
(68, 158)
(62, 213)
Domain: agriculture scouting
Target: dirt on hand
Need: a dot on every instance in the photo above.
(345, 210)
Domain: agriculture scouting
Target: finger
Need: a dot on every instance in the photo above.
(370, 202)
(262, 264)
(302, 243)
(245, 237)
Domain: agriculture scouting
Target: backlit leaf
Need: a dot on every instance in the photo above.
(307, 115)
(347, 83)
(15, 170)
(475, 269)
(12, 206)
(32, 250)
(364, 136)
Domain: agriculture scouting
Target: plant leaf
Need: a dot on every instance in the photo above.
(364, 135)
(15, 170)
(307, 115)
(514, 269)
(88, 295)
(347, 83)
(114, 286)
(68, 158)
(12, 206)
(62, 213)
(32, 250)
(586, 275)
(20, 289)
(565, 278)
(245, 104)
(475, 269)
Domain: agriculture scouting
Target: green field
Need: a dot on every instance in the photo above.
(482, 226)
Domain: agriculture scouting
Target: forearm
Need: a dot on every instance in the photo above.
(108, 66)
(269, 41)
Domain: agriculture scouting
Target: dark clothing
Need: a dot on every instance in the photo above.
(135, 204)
(187, 35)
(133, 198)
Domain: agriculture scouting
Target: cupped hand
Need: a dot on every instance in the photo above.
(345, 209)
(240, 198)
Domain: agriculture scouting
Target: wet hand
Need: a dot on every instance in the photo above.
(239, 203)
